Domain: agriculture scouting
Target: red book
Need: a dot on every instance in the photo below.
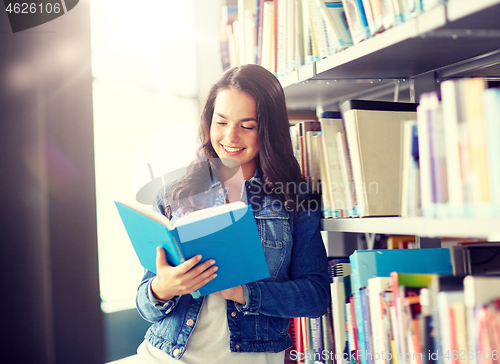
(354, 323)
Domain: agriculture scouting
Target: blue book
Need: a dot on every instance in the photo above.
(367, 339)
(366, 264)
(226, 233)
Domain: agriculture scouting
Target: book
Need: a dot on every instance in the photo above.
(373, 132)
(346, 171)
(459, 332)
(388, 332)
(388, 14)
(399, 241)
(472, 90)
(376, 287)
(354, 345)
(450, 99)
(356, 20)
(478, 291)
(327, 326)
(313, 160)
(366, 264)
(446, 322)
(406, 286)
(424, 146)
(227, 233)
(339, 271)
(305, 148)
(410, 190)
(332, 31)
(367, 339)
(376, 6)
(337, 15)
(319, 28)
(323, 185)
(333, 187)
(437, 157)
(440, 283)
(338, 313)
(267, 41)
(246, 21)
(491, 105)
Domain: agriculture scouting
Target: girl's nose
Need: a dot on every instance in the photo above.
(232, 134)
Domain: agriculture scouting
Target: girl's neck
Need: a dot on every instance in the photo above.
(233, 179)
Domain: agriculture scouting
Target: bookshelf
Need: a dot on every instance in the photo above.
(452, 33)
(454, 39)
(459, 38)
(488, 228)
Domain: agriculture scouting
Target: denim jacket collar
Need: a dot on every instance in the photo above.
(257, 177)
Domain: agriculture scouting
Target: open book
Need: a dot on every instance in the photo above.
(226, 233)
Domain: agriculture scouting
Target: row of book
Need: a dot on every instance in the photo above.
(439, 158)
(282, 35)
(457, 164)
(354, 157)
(403, 306)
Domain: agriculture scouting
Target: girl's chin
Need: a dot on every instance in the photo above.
(230, 162)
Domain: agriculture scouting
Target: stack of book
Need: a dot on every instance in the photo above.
(459, 157)
(313, 338)
(282, 35)
(438, 158)
(354, 157)
(405, 306)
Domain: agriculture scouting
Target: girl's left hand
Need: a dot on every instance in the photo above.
(234, 294)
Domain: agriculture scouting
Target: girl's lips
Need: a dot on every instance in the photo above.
(232, 150)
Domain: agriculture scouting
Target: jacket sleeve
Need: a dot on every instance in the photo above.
(307, 293)
(149, 307)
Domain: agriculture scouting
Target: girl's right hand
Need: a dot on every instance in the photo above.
(183, 279)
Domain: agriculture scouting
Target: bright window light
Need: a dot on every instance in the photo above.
(142, 87)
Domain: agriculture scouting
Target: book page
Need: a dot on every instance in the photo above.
(151, 214)
(238, 208)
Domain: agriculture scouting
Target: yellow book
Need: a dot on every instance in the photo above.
(472, 90)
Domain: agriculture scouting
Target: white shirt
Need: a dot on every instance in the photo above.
(209, 342)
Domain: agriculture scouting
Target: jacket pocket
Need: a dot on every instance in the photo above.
(274, 228)
(274, 231)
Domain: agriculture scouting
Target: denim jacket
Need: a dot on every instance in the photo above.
(298, 285)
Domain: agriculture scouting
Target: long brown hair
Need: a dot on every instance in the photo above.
(275, 158)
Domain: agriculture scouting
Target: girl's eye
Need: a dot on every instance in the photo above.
(221, 123)
(247, 128)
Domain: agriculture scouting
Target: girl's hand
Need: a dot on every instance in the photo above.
(234, 294)
(183, 279)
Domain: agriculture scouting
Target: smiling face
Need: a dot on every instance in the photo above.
(233, 132)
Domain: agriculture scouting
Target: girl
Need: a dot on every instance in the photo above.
(244, 120)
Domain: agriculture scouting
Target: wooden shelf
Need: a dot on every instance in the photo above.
(447, 34)
(487, 228)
